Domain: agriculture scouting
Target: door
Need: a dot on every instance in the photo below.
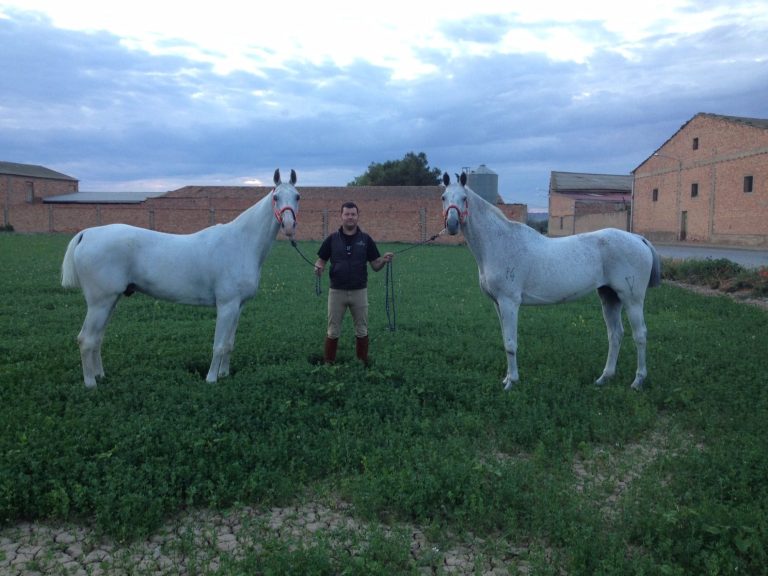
(683, 225)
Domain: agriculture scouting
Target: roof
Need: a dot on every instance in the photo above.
(32, 171)
(602, 198)
(754, 122)
(102, 198)
(577, 182)
(482, 169)
(760, 123)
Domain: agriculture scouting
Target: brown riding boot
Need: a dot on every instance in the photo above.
(361, 349)
(329, 352)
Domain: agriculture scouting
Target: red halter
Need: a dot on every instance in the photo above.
(462, 215)
(279, 213)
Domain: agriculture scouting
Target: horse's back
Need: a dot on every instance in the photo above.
(127, 239)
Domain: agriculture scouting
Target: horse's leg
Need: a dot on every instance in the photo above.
(98, 365)
(224, 368)
(507, 310)
(640, 335)
(227, 316)
(90, 338)
(612, 316)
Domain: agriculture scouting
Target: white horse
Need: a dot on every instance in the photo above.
(517, 265)
(218, 266)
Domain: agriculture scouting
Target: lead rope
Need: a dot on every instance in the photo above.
(389, 285)
(389, 297)
(318, 289)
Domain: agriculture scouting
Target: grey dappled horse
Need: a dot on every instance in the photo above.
(519, 266)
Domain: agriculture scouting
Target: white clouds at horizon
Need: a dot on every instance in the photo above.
(124, 108)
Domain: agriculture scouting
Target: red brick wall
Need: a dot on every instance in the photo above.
(396, 214)
(569, 215)
(18, 211)
(15, 188)
(562, 212)
(722, 213)
(737, 213)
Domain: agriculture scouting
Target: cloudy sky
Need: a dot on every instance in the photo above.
(151, 96)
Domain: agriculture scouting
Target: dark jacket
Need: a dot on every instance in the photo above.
(349, 256)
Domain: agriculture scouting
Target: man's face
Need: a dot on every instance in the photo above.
(349, 218)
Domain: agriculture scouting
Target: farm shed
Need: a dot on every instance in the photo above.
(23, 188)
(708, 183)
(584, 202)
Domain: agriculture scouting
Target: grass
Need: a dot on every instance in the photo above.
(585, 480)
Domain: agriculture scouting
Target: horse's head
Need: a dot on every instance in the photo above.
(285, 203)
(454, 202)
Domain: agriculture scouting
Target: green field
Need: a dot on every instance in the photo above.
(585, 480)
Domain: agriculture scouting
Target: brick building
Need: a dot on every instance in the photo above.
(707, 183)
(585, 202)
(388, 213)
(24, 187)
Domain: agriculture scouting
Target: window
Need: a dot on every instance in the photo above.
(655, 194)
(748, 183)
(561, 222)
(694, 190)
(695, 143)
(30, 192)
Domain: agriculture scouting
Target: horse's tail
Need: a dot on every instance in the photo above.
(655, 278)
(69, 277)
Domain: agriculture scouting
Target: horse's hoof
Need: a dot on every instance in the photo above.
(637, 385)
(603, 380)
(508, 384)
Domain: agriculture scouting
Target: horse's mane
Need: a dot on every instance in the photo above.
(492, 209)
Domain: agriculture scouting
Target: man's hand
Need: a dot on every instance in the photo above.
(381, 261)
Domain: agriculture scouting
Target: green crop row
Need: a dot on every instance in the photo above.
(589, 480)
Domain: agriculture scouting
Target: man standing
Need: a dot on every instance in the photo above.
(349, 249)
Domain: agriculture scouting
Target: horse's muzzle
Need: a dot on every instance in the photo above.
(452, 221)
(288, 224)
(287, 219)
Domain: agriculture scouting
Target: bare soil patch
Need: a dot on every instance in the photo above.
(740, 297)
(198, 543)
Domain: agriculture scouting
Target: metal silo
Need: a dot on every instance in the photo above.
(484, 182)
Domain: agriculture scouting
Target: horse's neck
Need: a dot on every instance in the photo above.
(485, 229)
(259, 225)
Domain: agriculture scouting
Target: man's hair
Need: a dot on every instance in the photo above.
(350, 205)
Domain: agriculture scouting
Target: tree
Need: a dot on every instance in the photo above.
(412, 170)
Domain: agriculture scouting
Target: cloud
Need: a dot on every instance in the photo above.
(118, 115)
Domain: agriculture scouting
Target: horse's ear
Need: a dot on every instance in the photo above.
(277, 176)
(463, 178)
(293, 176)
(446, 179)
